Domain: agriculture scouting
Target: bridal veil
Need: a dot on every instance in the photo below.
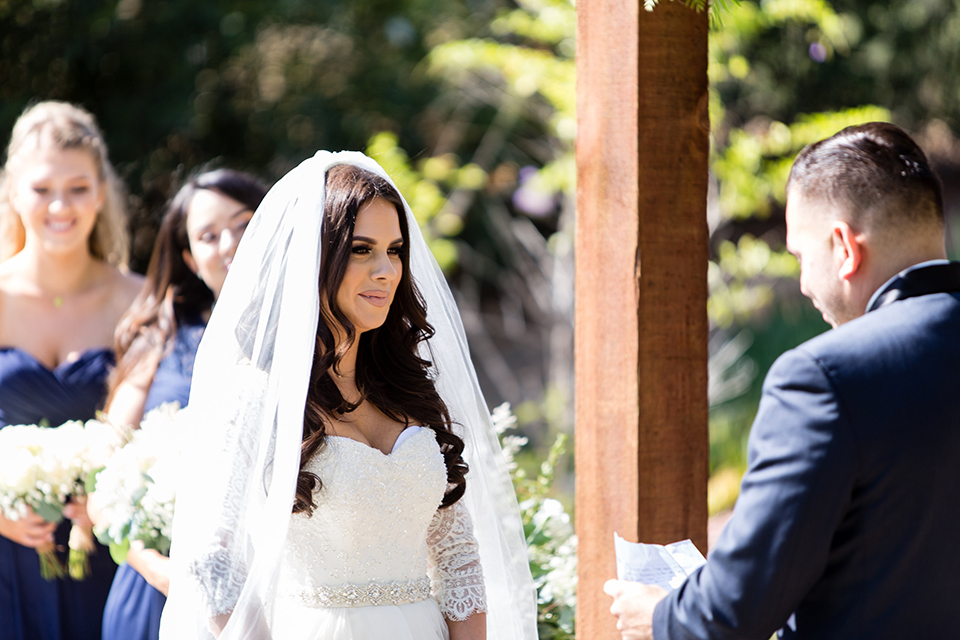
(246, 413)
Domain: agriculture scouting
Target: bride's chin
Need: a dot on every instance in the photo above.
(371, 323)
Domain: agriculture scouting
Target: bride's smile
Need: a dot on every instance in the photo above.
(374, 267)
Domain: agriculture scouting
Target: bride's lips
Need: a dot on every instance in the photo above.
(376, 298)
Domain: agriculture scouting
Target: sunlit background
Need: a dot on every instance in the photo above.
(469, 104)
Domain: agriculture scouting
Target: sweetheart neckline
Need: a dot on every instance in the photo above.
(397, 445)
(86, 353)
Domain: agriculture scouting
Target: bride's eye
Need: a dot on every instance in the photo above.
(360, 249)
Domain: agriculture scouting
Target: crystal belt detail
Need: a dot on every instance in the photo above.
(362, 595)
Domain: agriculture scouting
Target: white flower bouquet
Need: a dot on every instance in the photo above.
(41, 468)
(136, 491)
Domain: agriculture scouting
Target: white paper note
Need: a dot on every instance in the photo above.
(664, 566)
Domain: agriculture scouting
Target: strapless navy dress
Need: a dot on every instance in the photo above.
(133, 606)
(32, 608)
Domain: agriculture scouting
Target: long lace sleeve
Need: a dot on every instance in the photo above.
(222, 486)
(454, 564)
(220, 568)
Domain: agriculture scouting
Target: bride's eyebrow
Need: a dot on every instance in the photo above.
(373, 241)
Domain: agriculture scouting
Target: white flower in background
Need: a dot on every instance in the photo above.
(19, 472)
(503, 418)
(136, 490)
(551, 543)
(555, 553)
(160, 419)
(510, 446)
(560, 583)
(552, 516)
(32, 473)
(41, 468)
(101, 440)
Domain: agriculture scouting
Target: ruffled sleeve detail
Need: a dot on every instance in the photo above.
(454, 564)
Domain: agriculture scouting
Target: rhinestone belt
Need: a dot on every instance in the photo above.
(362, 595)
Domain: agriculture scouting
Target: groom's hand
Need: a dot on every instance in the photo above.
(633, 605)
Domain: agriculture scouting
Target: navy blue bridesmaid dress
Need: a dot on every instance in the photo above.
(32, 608)
(133, 606)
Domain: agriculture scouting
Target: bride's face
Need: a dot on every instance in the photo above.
(374, 266)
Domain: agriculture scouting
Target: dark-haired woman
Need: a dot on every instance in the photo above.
(337, 413)
(157, 342)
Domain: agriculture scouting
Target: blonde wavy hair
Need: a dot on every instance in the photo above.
(65, 126)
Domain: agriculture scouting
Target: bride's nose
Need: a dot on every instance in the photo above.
(385, 269)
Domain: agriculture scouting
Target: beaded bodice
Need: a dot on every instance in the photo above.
(376, 525)
(372, 513)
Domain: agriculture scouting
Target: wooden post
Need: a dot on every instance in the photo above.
(641, 267)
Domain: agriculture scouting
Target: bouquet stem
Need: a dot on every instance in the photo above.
(50, 566)
(81, 545)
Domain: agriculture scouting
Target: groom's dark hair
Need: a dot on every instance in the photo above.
(876, 174)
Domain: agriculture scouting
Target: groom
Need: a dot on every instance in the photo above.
(848, 521)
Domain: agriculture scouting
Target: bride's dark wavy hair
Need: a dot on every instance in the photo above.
(390, 373)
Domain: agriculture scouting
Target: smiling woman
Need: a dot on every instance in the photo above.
(374, 267)
(63, 287)
(215, 221)
(157, 342)
(336, 412)
(52, 143)
(58, 194)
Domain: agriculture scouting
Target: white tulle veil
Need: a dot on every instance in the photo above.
(246, 410)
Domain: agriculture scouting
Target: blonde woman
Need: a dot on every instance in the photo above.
(63, 287)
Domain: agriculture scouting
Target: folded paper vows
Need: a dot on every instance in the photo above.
(664, 566)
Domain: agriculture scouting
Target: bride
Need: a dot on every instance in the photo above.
(345, 482)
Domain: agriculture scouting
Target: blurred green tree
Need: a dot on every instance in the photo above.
(785, 73)
(257, 85)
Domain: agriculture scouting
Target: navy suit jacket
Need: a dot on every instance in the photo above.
(848, 520)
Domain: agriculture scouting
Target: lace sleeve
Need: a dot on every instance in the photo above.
(219, 580)
(220, 568)
(221, 487)
(454, 564)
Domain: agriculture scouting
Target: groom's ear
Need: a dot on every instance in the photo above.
(848, 249)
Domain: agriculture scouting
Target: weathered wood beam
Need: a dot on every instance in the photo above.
(641, 265)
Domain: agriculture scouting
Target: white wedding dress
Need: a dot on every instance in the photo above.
(358, 568)
(377, 559)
